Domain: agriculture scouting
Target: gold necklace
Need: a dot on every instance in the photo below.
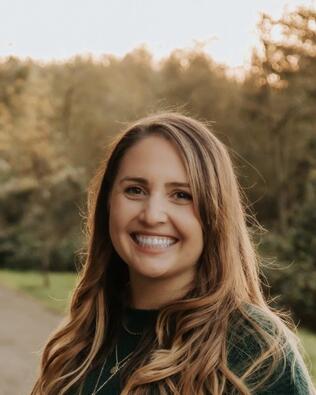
(129, 331)
(118, 365)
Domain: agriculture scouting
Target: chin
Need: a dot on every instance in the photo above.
(152, 274)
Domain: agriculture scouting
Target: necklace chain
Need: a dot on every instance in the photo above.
(118, 365)
(129, 331)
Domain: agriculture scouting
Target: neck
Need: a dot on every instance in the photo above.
(150, 294)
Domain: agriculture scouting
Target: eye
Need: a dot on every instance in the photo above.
(133, 191)
(181, 195)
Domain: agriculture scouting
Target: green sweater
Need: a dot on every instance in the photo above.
(240, 353)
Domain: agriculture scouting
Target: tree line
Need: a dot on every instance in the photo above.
(56, 119)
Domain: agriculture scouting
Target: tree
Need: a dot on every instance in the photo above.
(279, 103)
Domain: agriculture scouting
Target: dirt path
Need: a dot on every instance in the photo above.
(24, 328)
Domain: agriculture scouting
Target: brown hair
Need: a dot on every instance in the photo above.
(191, 334)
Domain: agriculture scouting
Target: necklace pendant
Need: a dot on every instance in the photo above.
(114, 370)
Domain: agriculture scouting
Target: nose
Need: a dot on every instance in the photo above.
(154, 211)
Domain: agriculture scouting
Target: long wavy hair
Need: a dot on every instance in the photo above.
(186, 351)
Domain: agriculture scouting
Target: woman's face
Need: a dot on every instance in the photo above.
(153, 224)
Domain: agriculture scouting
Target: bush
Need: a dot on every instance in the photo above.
(40, 222)
(293, 278)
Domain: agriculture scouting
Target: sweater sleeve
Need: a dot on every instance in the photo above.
(291, 380)
(290, 376)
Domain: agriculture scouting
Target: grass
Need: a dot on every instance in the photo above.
(308, 340)
(56, 298)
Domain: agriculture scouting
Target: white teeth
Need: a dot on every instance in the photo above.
(154, 241)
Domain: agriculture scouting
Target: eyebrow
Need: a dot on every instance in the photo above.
(143, 181)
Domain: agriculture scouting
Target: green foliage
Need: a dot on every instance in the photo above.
(308, 340)
(55, 120)
(294, 276)
(40, 222)
(278, 109)
(55, 297)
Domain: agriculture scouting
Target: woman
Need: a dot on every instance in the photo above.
(169, 298)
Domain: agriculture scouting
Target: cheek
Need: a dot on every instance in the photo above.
(190, 223)
(191, 231)
(121, 212)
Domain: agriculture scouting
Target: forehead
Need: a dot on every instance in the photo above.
(153, 156)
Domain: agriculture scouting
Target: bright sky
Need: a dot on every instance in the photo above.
(59, 29)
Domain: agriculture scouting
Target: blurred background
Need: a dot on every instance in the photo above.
(73, 73)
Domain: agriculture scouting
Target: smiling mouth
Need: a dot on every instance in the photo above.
(153, 242)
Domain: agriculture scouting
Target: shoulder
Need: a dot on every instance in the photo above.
(246, 339)
(248, 331)
(254, 333)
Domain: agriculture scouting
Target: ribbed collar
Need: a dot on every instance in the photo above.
(137, 319)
